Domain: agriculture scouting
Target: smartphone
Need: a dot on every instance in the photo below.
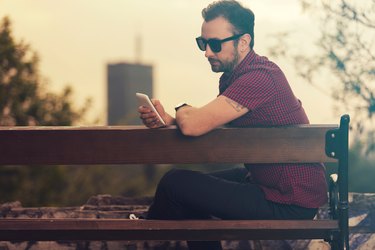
(144, 100)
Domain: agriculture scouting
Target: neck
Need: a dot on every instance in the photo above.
(243, 54)
(241, 57)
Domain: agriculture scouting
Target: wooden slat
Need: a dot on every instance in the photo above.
(121, 229)
(128, 145)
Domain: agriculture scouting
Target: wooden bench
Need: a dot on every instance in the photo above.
(129, 145)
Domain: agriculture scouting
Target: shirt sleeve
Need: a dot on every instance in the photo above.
(252, 90)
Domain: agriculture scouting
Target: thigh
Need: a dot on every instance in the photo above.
(292, 212)
(236, 174)
(208, 194)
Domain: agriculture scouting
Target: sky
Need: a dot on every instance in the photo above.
(76, 39)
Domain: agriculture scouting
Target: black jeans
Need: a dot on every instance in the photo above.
(185, 194)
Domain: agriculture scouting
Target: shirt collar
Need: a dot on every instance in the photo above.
(226, 78)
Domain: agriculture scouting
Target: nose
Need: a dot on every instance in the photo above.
(208, 52)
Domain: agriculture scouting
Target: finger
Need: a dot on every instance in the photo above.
(143, 109)
(150, 122)
(148, 115)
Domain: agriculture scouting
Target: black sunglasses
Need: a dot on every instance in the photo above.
(215, 44)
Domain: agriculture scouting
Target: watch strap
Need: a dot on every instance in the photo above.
(180, 106)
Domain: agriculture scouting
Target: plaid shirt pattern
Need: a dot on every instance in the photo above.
(261, 86)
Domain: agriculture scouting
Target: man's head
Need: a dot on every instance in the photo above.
(227, 34)
(241, 18)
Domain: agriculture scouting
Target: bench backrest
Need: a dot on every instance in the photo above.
(127, 145)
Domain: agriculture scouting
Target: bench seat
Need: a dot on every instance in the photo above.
(125, 229)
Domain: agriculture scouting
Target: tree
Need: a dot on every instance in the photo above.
(344, 52)
(24, 100)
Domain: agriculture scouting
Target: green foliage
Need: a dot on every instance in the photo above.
(70, 185)
(33, 185)
(23, 97)
(361, 170)
(25, 101)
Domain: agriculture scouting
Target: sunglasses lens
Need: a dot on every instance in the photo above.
(201, 43)
(215, 45)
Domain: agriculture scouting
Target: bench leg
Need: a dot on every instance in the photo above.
(336, 242)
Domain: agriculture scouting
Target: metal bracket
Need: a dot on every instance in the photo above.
(332, 146)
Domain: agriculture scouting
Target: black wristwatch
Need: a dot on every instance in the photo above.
(180, 106)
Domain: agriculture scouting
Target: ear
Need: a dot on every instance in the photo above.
(245, 42)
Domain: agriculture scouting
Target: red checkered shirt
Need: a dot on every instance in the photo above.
(261, 86)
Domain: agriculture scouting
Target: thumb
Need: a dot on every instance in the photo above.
(159, 107)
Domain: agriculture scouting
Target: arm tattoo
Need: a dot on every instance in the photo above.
(238, 107)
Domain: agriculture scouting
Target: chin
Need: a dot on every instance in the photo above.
(216, 69)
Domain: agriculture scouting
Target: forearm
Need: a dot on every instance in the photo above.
(198, 121)
(189, 122)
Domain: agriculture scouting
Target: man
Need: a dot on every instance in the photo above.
(253, 91)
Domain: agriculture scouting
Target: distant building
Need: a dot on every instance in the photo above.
(123, 81)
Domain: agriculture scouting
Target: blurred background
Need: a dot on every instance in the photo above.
(81, 62)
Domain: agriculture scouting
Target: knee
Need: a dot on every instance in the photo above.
(171, 178)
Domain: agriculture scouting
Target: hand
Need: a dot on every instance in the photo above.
(150, 119)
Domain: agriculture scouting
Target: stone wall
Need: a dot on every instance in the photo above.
(362, 217)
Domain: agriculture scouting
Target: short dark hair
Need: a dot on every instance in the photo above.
(240, 17)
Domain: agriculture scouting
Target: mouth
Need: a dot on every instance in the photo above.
(214, 61)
